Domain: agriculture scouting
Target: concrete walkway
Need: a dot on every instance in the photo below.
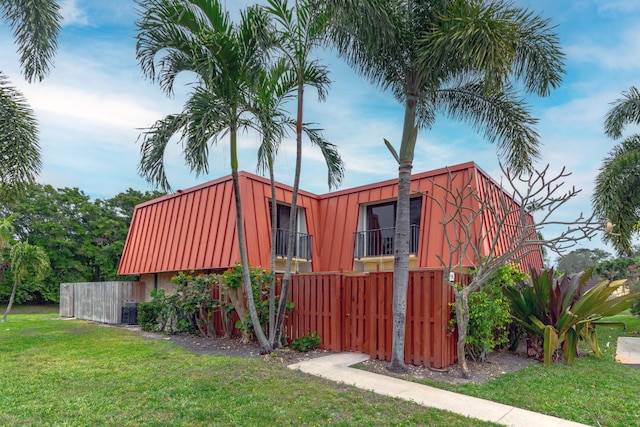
(337, 367)
(628, 351)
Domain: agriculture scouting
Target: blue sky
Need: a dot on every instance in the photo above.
(94, 103)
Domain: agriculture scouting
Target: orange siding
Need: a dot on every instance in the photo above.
(196, 228)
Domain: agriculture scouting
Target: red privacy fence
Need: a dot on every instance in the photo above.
(354, 313)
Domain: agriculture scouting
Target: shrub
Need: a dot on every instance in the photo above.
(489, 313)
(147, 316)
(306, 343)
(194, 304)
(261, 282)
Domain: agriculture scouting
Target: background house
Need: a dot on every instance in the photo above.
(347, 230)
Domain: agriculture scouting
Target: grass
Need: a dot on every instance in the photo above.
(70, 372)
(593, 391)
(32, 309)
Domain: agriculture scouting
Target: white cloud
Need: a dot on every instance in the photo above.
(617, 53)
(72, 14)
(618, 5)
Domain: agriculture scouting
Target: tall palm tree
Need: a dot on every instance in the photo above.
(615, 196)
(272, 91)
(455, 57)
(35, 26)
(299, 31)
(26, 261)
(198, 36)
(278, 85)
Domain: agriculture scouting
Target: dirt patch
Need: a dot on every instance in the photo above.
(235, 348)
(496, 364)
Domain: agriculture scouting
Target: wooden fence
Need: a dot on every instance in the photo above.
(98, 301)
(354, 313)
(349, 312)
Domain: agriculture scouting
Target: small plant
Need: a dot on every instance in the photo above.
(306, 343)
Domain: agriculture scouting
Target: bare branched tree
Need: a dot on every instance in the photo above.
(485, 228)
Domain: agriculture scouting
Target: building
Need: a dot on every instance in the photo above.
(348, 230)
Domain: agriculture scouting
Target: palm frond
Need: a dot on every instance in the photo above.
(373, 37)
(625, 110)
(19, 146)
(615, 195)
(154, 144)
(501, 116)
(316, 75)
(35, 25)
(539, 60)
(335, 165)
(495, 40)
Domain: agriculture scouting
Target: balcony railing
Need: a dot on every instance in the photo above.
(302, 243)
(379, 242)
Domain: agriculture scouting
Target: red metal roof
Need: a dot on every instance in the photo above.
(194, 229)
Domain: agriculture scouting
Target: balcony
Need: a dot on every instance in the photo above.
(379, 242)
(302, 243)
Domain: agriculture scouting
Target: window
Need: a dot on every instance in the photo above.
(378, 226)
(302, 239)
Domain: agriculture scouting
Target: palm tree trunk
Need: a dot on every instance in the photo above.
(265, 345)
(11, 299)
(286, 280)
(401, 239)
(272, 258)
(401, 268)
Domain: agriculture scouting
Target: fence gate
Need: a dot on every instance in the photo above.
(355, 313)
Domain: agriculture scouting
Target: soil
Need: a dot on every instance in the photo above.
(496, 364)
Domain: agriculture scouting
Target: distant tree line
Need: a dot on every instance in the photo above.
(83, 238)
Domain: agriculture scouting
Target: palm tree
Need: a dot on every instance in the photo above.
(26, 261)
(455, 57)
(277, 85)
(615, 196)
(197, 36)
(299, 31)
(35, 28)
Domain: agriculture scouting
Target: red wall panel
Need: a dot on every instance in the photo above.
(195, 228)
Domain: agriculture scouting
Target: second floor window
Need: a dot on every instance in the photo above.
(302, 239)
(377, 230)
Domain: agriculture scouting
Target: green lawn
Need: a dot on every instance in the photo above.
(598, 392)
(70, 372)
(32, 309)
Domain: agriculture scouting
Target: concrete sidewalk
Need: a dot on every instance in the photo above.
(337, 367)
(628, 351)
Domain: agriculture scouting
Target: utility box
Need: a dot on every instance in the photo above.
(130, 313)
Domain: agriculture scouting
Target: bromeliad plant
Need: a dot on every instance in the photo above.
(560, 312)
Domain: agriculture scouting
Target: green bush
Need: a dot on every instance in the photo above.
(489, 313)
(306, 343)
(147, 316)
(261, 282)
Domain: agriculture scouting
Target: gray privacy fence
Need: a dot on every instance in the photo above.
(98, 301)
